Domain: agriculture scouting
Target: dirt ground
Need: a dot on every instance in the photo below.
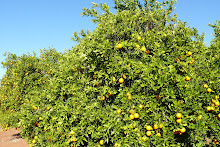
(12, 138)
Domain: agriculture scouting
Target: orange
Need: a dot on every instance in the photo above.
(183, 130)
(219, 115)
(155, 126)
(209, 108)
(141, 106)
(217, 103)
(74, 139)
(148, 51)
(178, 115)
(72, 132)
(179, 120)
(139, 38)
(161, 126)
(131, 116)
(143, 49)
(209, 90)
(199, 117)
(205, 85)
(103, 98)
(35, 137)
(148, 128)
(113, 79)
(144, 138)
(110, 94)
(213, 100)
(158, 134)
(216, 142)
(148, 133)
(34, 141)
(212, 108)
(128, 93)
(101, 142)
(190, 62)
(189, 53)
(119, 111)
(187, 78)
(121, 80)
(129, 97)
(94, 76)
(119, 46)
(138, 46)
(136, 115)
(132, 111)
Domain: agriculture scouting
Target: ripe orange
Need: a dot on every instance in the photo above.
(148, 51)
(101, 142)
(72, 132)
(148, 128)
(132, 111)
(183, 130)
(34, 141)
(119, 111)
(179, 120)
(187, 78)
(113, 79)
(158, 134)
(217, 103)
(161, 126)
(148, 133)
(144, 138)
(216, 142)
(131, 116)
(205, 85)
(209, 108)
(189, 53)
(74, 139)
(136, 115)
(116, 145)
(155, 126)
(213, 100)
(129, 97)
(119, 46)
(190, 62)
(212, 108)
(209, 90)
(103, 98)
(138, 46)
(178, 115)
(139, 38)
(199, 117)
(35, 137)
(158, 97)
(128, 93)
(143, 49)
(94, 76)
(141, 106)
(110, 94)
(121, 80)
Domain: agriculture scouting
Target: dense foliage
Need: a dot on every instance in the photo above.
(142, 78)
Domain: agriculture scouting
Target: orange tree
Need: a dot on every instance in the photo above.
(26, 76)
(142, 78)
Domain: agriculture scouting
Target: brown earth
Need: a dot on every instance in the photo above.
(12, 138)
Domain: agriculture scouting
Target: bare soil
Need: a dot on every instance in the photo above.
(12, 138)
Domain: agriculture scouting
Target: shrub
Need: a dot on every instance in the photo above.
(137, 80)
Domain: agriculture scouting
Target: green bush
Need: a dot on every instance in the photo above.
(142, 78)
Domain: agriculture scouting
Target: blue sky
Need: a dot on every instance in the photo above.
(30, 25)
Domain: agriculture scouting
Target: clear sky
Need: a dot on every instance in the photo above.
(30, 25)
